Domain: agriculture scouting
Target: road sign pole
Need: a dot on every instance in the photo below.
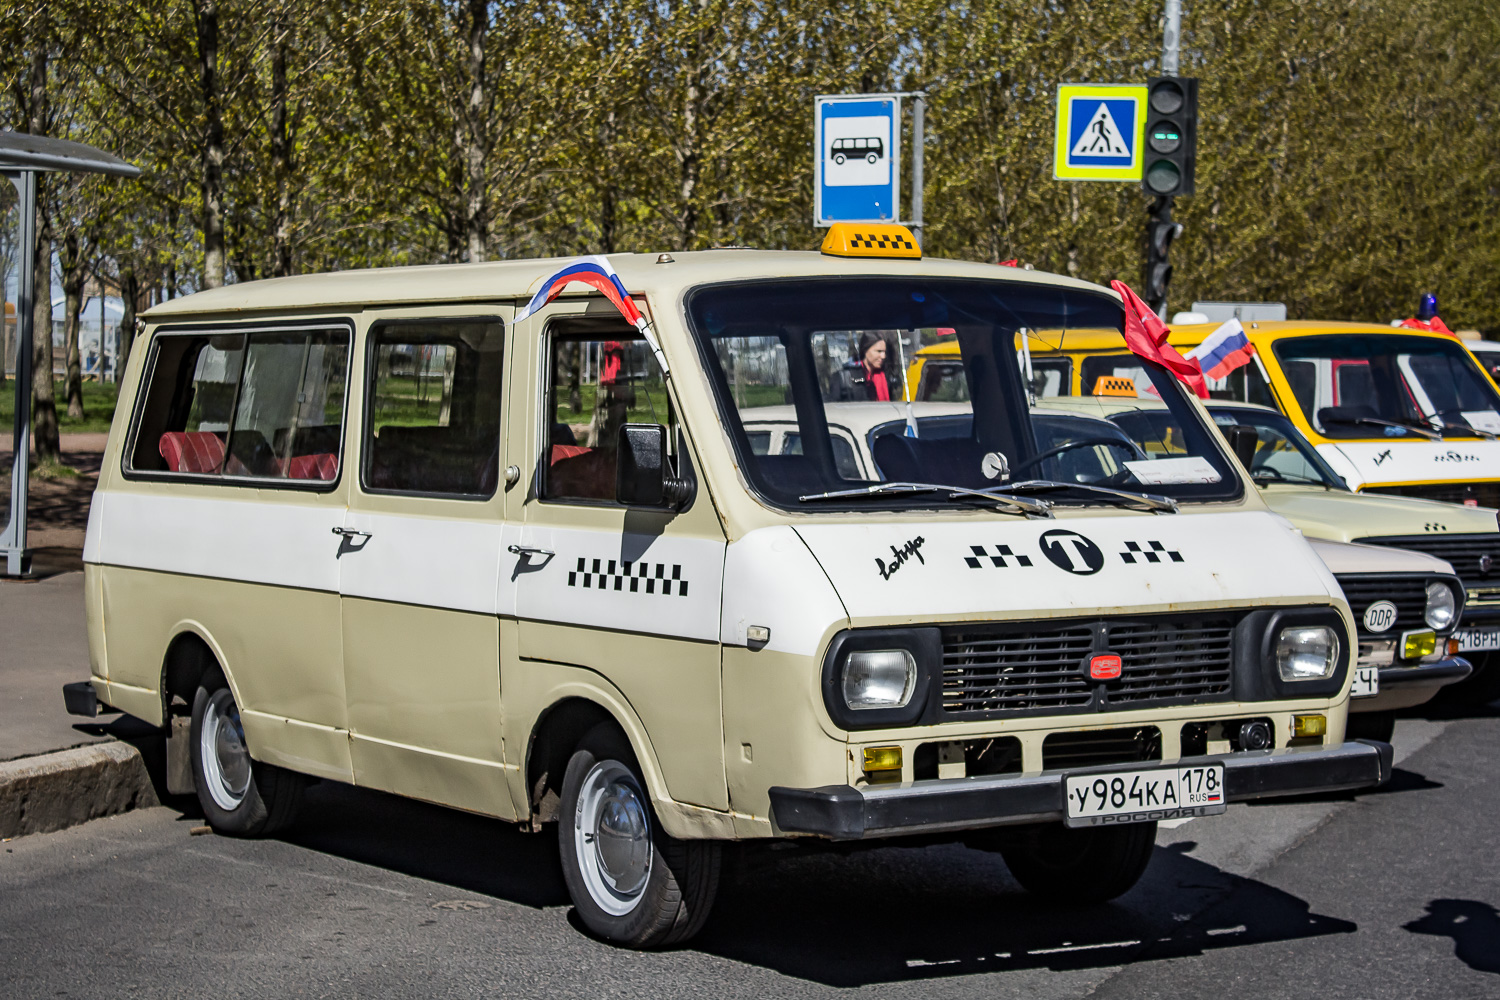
(918, 144)
(13, 538)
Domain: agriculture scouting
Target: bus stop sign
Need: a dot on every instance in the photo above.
(857, 159)
(1100, 127)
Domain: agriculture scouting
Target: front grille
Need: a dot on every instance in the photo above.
(1407, 593)
(1100, 747)
(1011, 669)
(1465, 552)
(1482, 494)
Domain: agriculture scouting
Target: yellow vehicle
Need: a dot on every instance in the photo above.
(425, 531)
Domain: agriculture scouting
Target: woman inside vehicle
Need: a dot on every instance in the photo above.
(864, 377)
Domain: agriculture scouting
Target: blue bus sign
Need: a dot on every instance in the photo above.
(856, 159)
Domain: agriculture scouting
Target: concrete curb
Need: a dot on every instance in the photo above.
(59, 790)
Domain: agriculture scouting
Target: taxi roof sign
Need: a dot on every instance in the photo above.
(1100, 128)
(870, 239)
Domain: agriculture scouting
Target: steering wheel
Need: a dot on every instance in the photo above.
(1126, 446)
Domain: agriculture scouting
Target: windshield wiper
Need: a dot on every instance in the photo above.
(1427, 432)
(1151, 501)
(1282, 477)
(1014, 505)
(1457, 428)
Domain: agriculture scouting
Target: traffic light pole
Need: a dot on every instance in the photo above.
(1160, 230)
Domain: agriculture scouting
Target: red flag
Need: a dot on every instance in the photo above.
(1146, 335)
(1434, 325)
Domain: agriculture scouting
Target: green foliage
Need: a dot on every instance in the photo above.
(1348, 149)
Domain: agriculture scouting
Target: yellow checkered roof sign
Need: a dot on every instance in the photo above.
(866, 239)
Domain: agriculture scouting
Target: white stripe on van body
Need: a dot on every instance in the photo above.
(435, 562)
(1000, 567)
(772, 580)
(660, 585)
(282, 543)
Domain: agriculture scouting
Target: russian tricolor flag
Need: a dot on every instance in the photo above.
(1226, 349)
(596, 272)
(593, 271)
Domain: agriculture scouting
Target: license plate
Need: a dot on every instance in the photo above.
(1119, 797)
(1477, 640)
(1366, 682)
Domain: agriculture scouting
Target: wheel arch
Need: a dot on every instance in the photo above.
(191, 653)
(572, 711)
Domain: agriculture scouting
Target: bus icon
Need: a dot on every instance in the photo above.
(871, 150)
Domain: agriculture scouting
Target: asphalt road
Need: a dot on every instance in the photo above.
(1386, 894)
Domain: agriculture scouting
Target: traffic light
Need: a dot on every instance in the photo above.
(1171, 135)
(1159, 236)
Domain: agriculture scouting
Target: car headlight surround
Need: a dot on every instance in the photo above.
(879, 678)
(1307, 652)
(1442, 605)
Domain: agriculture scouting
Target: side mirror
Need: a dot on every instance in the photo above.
(1243, 440)
(642, 478)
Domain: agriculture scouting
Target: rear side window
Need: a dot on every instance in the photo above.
(432, 424)
(255, 404)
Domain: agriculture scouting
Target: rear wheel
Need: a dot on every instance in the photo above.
(1079, 867)
(239, 796)
(631, 883)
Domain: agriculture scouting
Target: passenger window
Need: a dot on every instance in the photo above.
(597, 384)
(432, 422)
(261, 405)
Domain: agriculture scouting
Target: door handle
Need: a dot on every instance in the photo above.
(351, 533)
(530, 550)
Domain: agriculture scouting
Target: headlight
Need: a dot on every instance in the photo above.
(879, 678)
(1307, 652)
(1440, 605)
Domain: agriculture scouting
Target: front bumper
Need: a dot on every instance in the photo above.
(1404, 687)
(843, 812)
(1438, 673)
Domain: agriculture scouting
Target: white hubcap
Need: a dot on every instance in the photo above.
(612, 836)
(226, 762)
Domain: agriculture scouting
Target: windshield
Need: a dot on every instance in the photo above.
(824, 358)
(1245, 384)
(1388, 385)
(1282, 454)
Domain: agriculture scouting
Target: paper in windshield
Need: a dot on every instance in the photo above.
(1172, 471)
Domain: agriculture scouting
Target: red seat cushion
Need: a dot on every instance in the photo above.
(192, 451)
(323, 467)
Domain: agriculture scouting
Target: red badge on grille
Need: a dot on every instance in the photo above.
(1104, 667)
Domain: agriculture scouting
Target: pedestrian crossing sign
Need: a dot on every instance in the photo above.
(1100, 127)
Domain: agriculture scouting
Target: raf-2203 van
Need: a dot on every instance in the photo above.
(479, 536)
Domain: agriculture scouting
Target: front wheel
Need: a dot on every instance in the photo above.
(632, 883)
(239, 796)
(1079, 867)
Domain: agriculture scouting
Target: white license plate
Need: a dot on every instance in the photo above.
(1116, 797)
(1477, 640)
(1366, 682)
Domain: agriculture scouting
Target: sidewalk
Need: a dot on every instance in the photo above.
(57, 769)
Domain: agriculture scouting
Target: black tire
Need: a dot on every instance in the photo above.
(673, 899)
(1479, 688)
(255, 800)
(1371, 726)
(1079, 867)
